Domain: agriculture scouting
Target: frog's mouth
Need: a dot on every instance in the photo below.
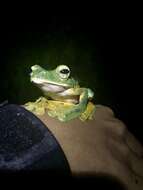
(56, 88)
(48, 86)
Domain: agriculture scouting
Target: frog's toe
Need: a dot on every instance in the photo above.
(62, 118)
(51, 114)
(29, 106)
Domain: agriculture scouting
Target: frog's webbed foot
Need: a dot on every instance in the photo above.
(78, 112)
(34, 108)
(52, 113)
(64, 117)
(30, 106)
(89, 112)
(69, 115)
(61, 116)
(38, 107)
(41, 99)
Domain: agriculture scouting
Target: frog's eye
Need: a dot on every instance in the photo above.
(63, 71)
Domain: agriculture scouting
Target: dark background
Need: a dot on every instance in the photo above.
(103, 54)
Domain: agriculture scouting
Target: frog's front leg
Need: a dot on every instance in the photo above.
(76, 110)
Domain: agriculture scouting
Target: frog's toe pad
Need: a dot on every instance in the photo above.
(51, 114)
(62, 118)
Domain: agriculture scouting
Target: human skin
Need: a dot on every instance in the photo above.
(102, 145)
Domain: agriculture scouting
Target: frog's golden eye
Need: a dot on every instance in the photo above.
(63, 71)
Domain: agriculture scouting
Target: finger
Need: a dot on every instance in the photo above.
(134, 144)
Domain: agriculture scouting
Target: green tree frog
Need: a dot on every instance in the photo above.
(63, 97)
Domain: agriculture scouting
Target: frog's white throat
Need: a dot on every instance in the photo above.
(48, 86)
(57, 92)
(52, 88)
(47, 82)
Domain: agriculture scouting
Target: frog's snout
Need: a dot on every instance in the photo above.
(35, 67)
